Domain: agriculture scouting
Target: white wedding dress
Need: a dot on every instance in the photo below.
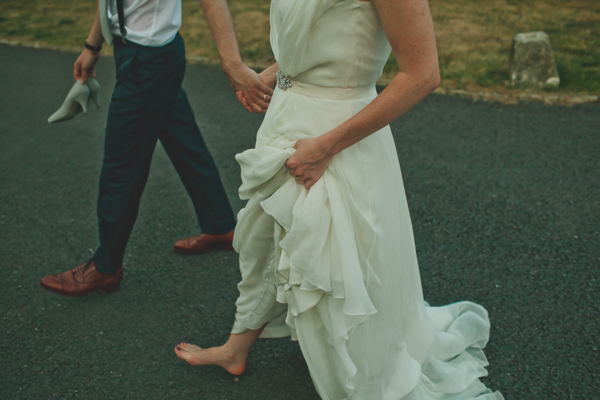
(335, 266)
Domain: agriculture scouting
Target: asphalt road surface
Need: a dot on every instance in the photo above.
(504, 201)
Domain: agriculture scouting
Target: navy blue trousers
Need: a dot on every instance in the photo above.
(147, 105)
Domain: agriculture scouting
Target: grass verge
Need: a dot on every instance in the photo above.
(473, 36)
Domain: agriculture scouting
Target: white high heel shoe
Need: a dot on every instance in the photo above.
(77, 100)
(94, 90)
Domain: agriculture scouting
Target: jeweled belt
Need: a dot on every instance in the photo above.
(283, 81)
(326, 92)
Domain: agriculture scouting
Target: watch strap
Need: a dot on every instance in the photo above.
(95, 49)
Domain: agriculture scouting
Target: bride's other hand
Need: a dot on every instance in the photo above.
(309, 162)
(254, 90)
(269, 76)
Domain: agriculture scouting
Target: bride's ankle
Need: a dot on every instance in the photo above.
(233, 361)
(232, 355)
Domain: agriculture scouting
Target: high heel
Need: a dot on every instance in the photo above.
(94, 90)
(76, 101)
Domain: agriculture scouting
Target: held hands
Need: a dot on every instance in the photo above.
(84, 65)
(309, 162)
(269, 79)
(250, 89)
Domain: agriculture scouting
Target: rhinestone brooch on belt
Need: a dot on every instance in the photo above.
(282, 81)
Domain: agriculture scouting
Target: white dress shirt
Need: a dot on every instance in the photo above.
(147, 22)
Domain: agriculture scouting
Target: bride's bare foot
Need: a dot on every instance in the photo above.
(231, 356)
(233, 363)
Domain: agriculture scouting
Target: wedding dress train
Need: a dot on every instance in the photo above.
(335, 266)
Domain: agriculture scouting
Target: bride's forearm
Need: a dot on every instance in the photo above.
(409, 29)
(269, 75)
(403, 93)
(272, 69)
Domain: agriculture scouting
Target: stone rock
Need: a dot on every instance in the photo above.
(532, 62)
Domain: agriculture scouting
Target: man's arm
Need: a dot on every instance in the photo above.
(84, 65)
(242, 78)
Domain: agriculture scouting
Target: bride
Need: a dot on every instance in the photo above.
(325, 242)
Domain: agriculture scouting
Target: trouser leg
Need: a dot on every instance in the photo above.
(185, 146)
(148, 81)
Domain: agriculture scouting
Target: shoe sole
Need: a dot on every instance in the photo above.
(105, 289)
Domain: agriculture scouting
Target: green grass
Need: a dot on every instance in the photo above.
(473, 36)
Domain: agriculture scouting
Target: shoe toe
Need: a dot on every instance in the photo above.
(52, 282)
(181, 244)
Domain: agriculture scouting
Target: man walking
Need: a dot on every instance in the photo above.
(148, 104)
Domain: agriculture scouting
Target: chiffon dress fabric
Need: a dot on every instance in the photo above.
(335, 266)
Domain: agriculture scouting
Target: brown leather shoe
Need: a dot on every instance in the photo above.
(203, 243)
(82, 280)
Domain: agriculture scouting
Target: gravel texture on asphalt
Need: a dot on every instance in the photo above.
(504, 201)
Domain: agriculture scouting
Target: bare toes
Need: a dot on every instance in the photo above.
(179, 351)
(189, 347)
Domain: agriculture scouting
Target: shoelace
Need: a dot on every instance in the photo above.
(79, 271)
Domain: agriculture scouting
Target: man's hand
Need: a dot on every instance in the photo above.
(249, 86)
(84, 65)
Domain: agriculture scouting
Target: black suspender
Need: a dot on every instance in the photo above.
(121, 19)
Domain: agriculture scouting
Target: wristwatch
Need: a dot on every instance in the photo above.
(95, 49)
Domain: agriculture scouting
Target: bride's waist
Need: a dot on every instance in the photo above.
(327, 92)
